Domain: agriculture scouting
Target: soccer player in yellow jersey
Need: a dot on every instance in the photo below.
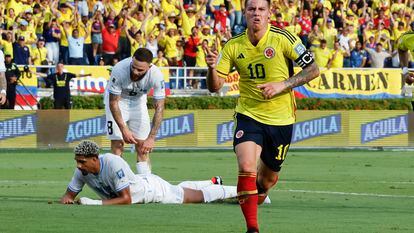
(406, 45)
(263, 56)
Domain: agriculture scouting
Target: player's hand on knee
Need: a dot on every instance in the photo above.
(129, 137)
(148, 145)
(88, 201)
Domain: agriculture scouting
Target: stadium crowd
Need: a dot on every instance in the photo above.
(341, 33)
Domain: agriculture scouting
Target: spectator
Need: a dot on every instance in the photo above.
(322, 54)
(29, 35)
(306, 24)
(236, 15)
(160, 60)
(190, 50)
(12, 76)
(330, 32)
(337, 56)
(110, 39)
(169, 42)
(136, 40)
(280, 23)
(64, 43)
(189, 17)
(358, 56)
(382, 18)
(39, 54)
(76, 44)
(368, 31)
(205, 35)
(52, 35)
(315, 36)
(378, 56)
(344, 39)
(86, 24)
(152, 44)
(294, 27)
(220, 18)
(21, 52)
(10, 19)
(7, 41)
(96, 31)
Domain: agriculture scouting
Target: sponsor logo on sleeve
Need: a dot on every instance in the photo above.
(120, 173)
(299, 49)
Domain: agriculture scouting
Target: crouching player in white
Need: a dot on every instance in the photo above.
(114, 181)
(126, 109)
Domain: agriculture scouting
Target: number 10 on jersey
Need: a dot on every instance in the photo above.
(257, 71)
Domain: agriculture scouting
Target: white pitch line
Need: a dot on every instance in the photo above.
(343, 193)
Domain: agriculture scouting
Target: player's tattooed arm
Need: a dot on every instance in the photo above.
(158, 115)
(304, 76)
(115, 110)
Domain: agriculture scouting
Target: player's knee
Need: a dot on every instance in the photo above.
(247, 166)
(268, 182)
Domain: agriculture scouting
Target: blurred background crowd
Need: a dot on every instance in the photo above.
(341, 33)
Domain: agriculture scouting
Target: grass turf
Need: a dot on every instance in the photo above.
(319, 191)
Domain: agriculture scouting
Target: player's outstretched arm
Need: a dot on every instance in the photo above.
(68, 197)
(123, 198)
(214, 82)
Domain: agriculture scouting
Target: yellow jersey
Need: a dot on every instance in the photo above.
(322, 56)
(337, 58)
(271, 60)
(38, 55)
(7, 47)
(160, 62)
(406, 42)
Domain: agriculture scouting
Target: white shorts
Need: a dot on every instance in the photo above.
(135, 116)
(160, 191)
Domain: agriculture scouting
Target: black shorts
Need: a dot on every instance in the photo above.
(189, 61)
(274, 140)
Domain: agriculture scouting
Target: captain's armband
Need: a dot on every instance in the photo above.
(305, 59)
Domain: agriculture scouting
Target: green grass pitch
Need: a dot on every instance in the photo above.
(318, 191)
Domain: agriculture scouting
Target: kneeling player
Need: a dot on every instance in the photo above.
(113, 180)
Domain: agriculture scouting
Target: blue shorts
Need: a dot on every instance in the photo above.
(274, 139)
(97, 38)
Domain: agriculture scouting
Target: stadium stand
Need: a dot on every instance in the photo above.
(112, 29)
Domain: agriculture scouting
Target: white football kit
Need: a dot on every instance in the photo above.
(116, 175)
(133, 103)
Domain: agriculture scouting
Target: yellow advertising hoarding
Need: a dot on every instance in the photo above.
(207, 128)
(18, 129)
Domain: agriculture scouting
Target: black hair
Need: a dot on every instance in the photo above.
(143, 54)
